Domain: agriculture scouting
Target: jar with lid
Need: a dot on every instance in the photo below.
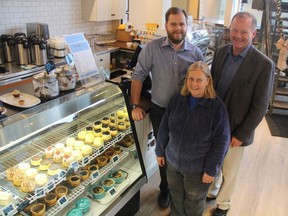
(66, 78)
(45, 86)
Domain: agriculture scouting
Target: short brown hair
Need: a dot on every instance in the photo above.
(209, 91)
(174, 10)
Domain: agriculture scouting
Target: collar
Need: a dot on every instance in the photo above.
(243, 53)
(166, 42)
(204, 102)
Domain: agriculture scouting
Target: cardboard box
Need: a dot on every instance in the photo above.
(123, 36)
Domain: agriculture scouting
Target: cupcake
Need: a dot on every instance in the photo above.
(70, 141)
(121, 126)
(86, 150)
(112, 123)
(49, 152)
(81, 135)
(106, 136)
(98, 142)
(105, 127)
(105, 120)
(98, 132)
(59, 146)
(113, 131)
(35, 160)
(89, 138)
(97, 125)
(57, 157)
(89, 129)
(16, 93)
(66, 160)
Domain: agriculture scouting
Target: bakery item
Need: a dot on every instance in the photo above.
(78, 144)
(75, 212)
(108, 183)
(109, 154)
(98, 132)
(81, 135)
(28, 185)
(44, 164)
(67, 150)
(120, 119)
(127, 122)
(35, 160)
(31, 173)
(53, 169)
(112, 117)
(113, 131)
(5, 198)
(112, 123)
(97, 125)
(105, 127)
(38, 209)
(70, 141)
(61, 190)
(57, 157)
(89, 129)
(77, 155)
(105, 120)
(89, 138)
(84, 174)
(98, 142)
(86, 150)
(16, 93)
(41, 179)
(11, 172)
(116, 149)
(92, 168)
(98, 192)
(23, 166)
(66, 160)
(117, 176)
(21, 102)
(49, 152)
(83, 204)
(18, 178)
(102, 160)
(74, 180)
(121, 126)
(50, 199)
(106, 136)
(59, 146)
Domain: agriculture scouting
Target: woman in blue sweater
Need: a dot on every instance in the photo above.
(193, 139)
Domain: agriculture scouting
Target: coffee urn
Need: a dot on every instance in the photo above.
(7, 45)
(22, 50)
(2, 60)
(39, 51)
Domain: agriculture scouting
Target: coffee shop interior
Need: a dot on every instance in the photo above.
(51, 100)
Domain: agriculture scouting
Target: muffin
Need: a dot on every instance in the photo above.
(81, 135)
(67, 150)
(77, 155)
(57, 157)
(16, 93)
(98, 142)
(86, 150)
(89, 138)
(49, 152)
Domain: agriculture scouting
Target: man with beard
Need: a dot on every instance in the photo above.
(166, 59)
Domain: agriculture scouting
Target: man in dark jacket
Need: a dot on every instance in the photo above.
(243, 78)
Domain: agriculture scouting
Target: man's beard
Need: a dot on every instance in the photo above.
(175, 40)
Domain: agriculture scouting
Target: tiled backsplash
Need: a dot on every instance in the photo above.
(62, 17)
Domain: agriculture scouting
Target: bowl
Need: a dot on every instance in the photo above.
(108, 183)
(97, 191)
(83, 204)
(117, 176)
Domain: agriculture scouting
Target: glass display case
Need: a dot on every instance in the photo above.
(78, 152)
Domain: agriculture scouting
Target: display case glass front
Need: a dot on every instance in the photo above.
(77, 152)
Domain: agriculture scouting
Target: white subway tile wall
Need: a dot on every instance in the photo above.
(62, 16)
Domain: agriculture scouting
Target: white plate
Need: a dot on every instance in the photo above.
(29, 100)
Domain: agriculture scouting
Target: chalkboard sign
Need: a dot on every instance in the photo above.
(49, 66)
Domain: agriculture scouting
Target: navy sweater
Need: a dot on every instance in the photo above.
(196, 140)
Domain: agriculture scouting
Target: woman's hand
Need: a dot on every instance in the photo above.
(161, 161)
(207, 179)
(138, 114)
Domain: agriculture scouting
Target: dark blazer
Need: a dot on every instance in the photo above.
(248, 96)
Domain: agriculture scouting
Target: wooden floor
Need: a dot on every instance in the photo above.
(262, 186)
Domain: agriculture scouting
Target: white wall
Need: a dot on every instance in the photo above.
(62, 16)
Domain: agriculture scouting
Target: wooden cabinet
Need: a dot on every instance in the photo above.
(103, 10)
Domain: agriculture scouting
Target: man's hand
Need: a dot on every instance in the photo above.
(161, 161)
(138, 114)
(207, 179)
(235, 142)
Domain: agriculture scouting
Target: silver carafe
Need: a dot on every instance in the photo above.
(7, 45)
(39, 51)
(22, 52)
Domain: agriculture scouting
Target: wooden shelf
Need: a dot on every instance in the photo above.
(280, 105)
(282, 91)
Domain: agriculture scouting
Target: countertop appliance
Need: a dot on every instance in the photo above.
(38, 29)
(8, 47)
(22, 50)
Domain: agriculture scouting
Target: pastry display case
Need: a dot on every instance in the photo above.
(75, 153)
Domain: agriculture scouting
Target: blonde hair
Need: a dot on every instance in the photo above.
(209, 90)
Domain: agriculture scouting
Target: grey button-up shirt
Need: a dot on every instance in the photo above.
(168, 67)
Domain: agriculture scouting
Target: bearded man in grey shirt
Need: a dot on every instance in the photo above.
(166, 59)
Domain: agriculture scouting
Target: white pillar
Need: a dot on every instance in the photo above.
(232, 7)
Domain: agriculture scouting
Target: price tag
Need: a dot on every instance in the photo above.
(85, 161)
(95, 174)
(50, 66)
(50, 185)
(69, 58)
(40, 192)
(9, 209)
(112, 191)
(74, 165)
(23, 205)
(115, 158)
(63, 200)
(62, 174)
